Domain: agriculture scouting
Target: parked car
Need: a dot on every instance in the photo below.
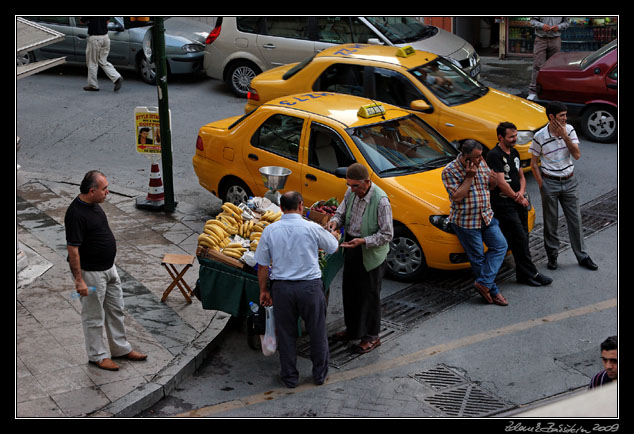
(184, 44)
(587, 83)
(443, 95)
(239, 48)
(317, 135)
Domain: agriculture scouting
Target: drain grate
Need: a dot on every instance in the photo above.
(467, 400)
(457, 396)
(439, 377)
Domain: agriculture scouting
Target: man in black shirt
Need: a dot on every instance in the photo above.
(91, 251)
(510, 206)
(97, 50)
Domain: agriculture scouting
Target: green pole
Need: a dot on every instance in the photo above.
(158, 41)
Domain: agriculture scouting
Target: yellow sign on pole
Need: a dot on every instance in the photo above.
(148, 130)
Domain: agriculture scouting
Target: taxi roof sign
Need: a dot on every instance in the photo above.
(371, 110)
(405, 51)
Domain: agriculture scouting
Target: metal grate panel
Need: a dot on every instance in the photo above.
(467, 400)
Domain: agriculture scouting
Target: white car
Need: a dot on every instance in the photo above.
(239, 48)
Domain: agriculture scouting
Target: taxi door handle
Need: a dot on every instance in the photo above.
(253, 157)
(311, 177)
(447, 124)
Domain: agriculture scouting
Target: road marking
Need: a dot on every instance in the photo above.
(403, 360)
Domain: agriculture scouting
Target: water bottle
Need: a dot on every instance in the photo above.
(254, 307)
(75, 294)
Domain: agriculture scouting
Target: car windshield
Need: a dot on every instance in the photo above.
(593, 57)
(450, 84)
(402, 146)
(400, 30)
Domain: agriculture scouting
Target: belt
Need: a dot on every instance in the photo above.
(557, 178)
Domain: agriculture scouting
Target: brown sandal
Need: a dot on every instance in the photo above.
(366, 347)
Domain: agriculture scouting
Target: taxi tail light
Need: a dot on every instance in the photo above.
(213, 35)
(199, 144)
(253, 95)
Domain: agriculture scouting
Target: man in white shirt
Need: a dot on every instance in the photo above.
(290, 247)
(555, 146)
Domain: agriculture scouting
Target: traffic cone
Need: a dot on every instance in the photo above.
(155, 198)
(155, 191)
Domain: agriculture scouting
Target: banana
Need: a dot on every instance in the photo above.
(211, 235)
(219, 231)
(255, 236)
(234, 207)
(233, 246)
(232, 254)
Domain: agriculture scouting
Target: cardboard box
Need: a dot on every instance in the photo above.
(316, 216)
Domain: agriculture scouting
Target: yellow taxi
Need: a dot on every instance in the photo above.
(445, 97)
(317, 135)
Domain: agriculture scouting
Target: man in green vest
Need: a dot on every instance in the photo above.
(366, 215)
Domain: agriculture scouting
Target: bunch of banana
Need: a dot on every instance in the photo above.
(255, 239)
(234, 250)
(214, 235)
(271, 216)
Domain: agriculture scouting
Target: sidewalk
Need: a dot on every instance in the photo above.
(53, 376)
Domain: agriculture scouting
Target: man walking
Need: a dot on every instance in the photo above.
(555, 146)
(288, 259)
(97, 50)
(91, 251)
(468, 180)
(366, 215)
(510, 206)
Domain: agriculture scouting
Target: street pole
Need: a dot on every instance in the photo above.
(158, 42)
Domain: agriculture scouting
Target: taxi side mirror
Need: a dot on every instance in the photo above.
(419, 105)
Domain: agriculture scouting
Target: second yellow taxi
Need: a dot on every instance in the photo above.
(453, 103)
(317, 135)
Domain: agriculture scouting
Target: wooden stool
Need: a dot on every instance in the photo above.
(170, 261)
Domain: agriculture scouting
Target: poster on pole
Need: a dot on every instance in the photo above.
(147, 130)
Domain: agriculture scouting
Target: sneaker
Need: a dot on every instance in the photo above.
(544, 280)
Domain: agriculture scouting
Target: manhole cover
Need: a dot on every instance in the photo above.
(467, 400)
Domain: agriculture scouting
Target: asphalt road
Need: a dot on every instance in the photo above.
(543, 344)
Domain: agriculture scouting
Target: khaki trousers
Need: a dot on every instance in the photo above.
(543, 49)
(103, 310)
(97, 50)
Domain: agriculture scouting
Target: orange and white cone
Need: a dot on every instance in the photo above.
(155, 190)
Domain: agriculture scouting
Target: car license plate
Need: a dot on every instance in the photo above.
(475, 71)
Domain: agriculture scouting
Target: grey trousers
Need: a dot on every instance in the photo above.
(305, 299)
(103, 310)
(564, 193)
(97, 50)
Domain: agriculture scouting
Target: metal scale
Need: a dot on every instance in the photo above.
(274, 178)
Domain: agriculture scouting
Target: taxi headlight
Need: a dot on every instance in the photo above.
(442, 223)
(524, 137)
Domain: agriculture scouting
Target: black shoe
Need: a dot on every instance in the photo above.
(587, 262)
(118, 83)
(529, 281)
(543, 280)
(552, 263)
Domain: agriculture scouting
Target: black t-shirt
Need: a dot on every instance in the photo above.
(96, 25)
(509, 164)
(87, 227)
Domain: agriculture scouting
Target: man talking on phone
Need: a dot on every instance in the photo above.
(468, 180)
(555, 146)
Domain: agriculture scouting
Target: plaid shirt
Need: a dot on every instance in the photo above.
(475, 207)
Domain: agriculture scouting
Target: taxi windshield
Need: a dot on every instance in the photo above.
(449, 83)
(402, 146)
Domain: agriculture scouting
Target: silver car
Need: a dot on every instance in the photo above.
(239, 48)
(184, 44)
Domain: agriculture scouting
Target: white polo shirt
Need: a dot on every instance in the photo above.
(553, 152)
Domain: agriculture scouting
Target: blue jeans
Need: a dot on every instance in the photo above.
(485, 266)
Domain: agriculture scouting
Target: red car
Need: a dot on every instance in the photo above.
(587, 83)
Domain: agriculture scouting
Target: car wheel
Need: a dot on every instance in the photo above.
(405, 260)
(25, 59)
(235, 191)
(599, 124)
(147, 70)
(239, 75)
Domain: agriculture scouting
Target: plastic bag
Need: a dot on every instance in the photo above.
(269, 342)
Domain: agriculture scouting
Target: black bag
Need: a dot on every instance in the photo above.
(256, 322)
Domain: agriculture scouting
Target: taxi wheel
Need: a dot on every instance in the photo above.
(235, 191)
(405, 260)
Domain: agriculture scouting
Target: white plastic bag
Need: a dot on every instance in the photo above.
(269, 342)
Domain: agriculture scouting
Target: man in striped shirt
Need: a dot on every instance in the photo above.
(555, 146)
(468, 180)
(609, 357)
